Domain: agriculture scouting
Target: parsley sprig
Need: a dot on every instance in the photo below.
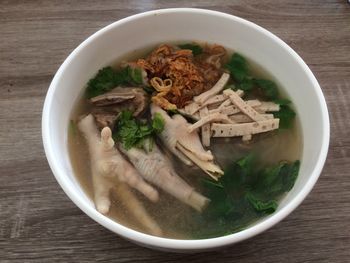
(108, 78)
(135, 133)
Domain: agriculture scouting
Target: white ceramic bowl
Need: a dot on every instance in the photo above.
(182, 24)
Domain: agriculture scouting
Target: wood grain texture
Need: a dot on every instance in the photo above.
(38, 223)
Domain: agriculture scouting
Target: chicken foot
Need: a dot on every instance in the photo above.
(185, 144)
(107, 164)
(157, 169)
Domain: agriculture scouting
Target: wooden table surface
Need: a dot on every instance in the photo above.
(38, 223)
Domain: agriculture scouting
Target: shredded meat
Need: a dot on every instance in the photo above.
(190, 76)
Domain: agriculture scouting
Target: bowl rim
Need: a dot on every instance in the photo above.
(179, 244)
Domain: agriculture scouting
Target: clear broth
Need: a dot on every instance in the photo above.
(176, 219)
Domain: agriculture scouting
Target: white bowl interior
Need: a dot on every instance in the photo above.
(171, 25)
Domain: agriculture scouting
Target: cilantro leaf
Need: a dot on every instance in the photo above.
(245, 193)
(259, 205)
(282, 101)
(277, 179)
(242, 168)
(108, 78)
(172, 112)
(246, 162)
(196, 49)
(133, 133)
(238, 67)
(135, 75)
(268, 88)
(158, 123)
(129, 131)
(247, 84)
(286, 115)
(104, 81)
(290, 173)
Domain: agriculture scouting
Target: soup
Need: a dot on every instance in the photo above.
(186, 141)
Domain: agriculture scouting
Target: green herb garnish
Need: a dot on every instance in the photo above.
(239, 69)
(173, 112)
(196, 49)
(246, 84)
(240, 73)
(158, 123)
(135, 75)
(245, 193)
(259, 205)
(108, 78)
(134, 133)
(148, 89)
(286, 114)
(268, 88)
